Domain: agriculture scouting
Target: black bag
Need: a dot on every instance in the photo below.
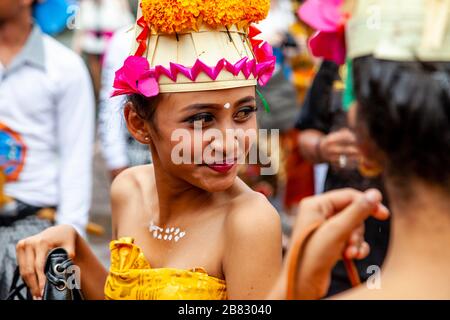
(62, 282)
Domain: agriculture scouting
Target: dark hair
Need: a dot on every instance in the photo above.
(145, 107)
(405, 107)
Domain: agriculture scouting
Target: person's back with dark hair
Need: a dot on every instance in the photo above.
(406, 106)
(403, 122)
(323, 111)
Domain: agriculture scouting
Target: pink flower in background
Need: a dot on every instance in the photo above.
(135, 77)
(327, 18)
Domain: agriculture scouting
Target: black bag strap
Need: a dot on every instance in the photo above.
(15, 292)
(55, 288)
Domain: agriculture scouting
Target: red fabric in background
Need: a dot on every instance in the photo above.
(299, 172)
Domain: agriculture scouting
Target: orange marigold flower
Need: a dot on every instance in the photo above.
(170, 16)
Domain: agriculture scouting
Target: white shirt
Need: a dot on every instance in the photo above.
(47, 107)
(111, 124)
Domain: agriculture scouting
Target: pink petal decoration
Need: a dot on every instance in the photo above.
(176, 68)
(330, 46)
(146, 83)
(236, 68)
(322, 15)
(248, 68)
(198, 67)
(148, 87)
(218, 68)
(212, 72)
(264, 78)
(160, 70)
(262, 67)
(264, 53)
(135, 77)
(326, 17)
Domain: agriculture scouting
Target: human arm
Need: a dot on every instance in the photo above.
(317, 117)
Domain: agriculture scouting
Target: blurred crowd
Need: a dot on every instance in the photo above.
(53, 119)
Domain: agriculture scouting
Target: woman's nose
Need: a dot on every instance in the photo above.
(227, 146)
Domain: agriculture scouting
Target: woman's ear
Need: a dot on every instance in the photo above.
(136, 125)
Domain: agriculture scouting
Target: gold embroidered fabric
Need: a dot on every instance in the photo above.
(132, 278)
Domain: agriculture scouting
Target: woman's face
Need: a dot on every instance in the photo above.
(199, 137)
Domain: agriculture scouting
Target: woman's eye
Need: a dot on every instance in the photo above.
(203, 118)
(244, 113)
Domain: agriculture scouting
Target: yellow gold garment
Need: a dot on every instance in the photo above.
(131, 277)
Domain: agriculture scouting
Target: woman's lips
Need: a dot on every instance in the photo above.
(221, 167)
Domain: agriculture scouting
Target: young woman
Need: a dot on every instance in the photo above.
(189, 230)
(182, 229)
(230, 231)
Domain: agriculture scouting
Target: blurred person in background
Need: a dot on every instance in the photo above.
(279, 93)
(284, 188)
(325, 138)
(46, 133)
(120, 150)
(98, 20)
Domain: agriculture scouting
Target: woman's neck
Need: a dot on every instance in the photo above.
(175, 196)
(418, 261)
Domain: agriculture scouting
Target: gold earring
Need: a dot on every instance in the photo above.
(369, 168)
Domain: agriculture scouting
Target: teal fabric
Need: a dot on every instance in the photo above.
(349, 95)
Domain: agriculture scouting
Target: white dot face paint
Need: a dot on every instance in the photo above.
(227, 105)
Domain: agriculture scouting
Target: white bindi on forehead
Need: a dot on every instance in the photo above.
(227, 105)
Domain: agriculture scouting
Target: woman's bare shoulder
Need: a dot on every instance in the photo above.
(252, 246)
(131, 180)
(251, 211)
(127, 198)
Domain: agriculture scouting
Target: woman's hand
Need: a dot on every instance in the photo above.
(339, 149)
(342, 214)
(32, 254)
